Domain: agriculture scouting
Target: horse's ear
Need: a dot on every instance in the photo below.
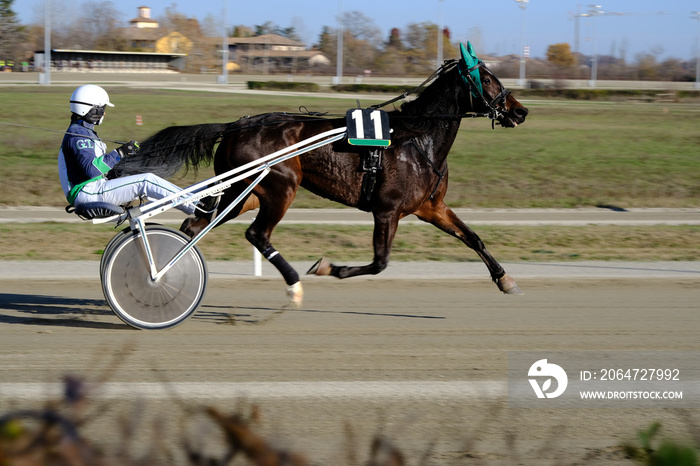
(471, 61)
(468, 54)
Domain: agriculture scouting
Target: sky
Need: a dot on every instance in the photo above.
(494, 26)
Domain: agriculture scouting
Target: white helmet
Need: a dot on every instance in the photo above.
(88, 101)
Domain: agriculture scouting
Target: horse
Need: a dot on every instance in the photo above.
(411, 179)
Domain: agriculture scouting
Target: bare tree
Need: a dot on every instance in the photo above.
(362, 40)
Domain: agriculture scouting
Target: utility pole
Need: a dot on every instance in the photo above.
(46, 77)
(522, 4)
(696, 16)
(223, 79)
(440, 35)
(339, 64)
(593, 12)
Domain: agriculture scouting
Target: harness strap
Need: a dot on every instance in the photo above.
(440, 174)
(370, 165)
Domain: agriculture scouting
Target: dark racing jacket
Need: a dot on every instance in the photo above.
(82, 158)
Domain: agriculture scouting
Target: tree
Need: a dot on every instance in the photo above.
(186, 36)
(242, 31)
(211, 26)
(362, 27)
(561, 55)
(11, 33)
(326, 40)
(271, 28)
(361, 41)
(647, 67)
(267, 28)
(102, 21)
(421, 46)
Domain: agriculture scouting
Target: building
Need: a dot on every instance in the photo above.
(142, 33)
(270, 53)
(144, 20)
(114, 62)
(155, 49)
(145, 35)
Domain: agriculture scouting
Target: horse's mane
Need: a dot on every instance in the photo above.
(439, 98)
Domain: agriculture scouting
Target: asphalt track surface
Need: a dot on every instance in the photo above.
(418, 353)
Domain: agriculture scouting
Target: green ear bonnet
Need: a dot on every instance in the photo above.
(469, 64)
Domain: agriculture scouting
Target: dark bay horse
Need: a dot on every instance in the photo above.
(412, 178)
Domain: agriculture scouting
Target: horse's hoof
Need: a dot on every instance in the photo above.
(321, 267)
(295, 293)
(507, 285)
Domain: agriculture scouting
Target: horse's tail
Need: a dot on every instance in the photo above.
(169, 150)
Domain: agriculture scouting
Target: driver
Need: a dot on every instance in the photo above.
(83, 159)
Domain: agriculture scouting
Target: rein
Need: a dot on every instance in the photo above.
(62, 132)
(448, 65)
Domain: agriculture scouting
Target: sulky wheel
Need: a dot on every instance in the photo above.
(113, 242)
(138, 300)
(108, 249)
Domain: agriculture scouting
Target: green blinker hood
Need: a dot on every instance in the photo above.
(469, 61)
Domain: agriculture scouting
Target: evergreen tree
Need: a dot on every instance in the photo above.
(11, 33)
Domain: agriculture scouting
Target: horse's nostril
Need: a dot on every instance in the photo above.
(520, 112)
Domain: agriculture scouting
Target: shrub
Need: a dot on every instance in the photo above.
(283, 86)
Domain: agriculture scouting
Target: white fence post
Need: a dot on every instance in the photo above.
(257, 263)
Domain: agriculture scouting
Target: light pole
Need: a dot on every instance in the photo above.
(223, 79)
(696, 15)
(523, 5)
(46, 78)
(339, 64)
(594, 10)
(440, 34)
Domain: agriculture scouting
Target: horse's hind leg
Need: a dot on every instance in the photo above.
(438, 214)
(385, 225)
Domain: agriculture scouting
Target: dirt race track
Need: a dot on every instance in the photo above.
(423, 362)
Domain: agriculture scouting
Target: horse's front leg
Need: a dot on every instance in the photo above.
(438, 214)
(258, 234)
(385, 225)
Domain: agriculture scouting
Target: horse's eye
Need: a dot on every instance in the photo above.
(487, 81)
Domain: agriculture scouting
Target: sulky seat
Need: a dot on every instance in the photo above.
(92, 210)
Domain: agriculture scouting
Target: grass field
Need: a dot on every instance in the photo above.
(567, 154)
(354, 243)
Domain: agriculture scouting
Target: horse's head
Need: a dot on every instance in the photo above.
(489, 93)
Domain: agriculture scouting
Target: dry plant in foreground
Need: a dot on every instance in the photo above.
(54, 436)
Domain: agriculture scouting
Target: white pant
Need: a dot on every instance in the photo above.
(121, 191)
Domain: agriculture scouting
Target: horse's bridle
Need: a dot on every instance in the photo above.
(497, 105)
